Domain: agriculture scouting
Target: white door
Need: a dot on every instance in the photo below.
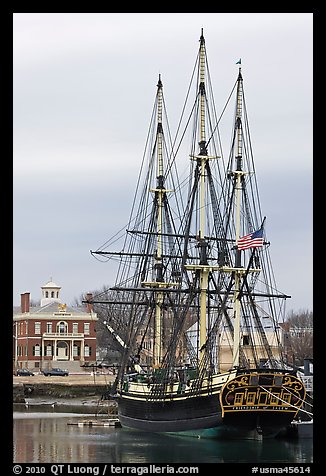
(62, 351)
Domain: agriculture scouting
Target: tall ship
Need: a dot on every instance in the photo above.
(195, 307)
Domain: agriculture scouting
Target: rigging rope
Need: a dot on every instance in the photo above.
(287, 403)
(304, 401)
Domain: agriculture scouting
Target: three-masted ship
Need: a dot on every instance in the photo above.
(195, 308)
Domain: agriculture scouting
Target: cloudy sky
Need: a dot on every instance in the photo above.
(84, 87)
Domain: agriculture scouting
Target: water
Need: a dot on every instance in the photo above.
(47, 438)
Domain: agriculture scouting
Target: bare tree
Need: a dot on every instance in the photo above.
(299, 336)
(104, 338)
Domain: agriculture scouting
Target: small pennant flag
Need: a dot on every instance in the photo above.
(252, 240)
(238, 62)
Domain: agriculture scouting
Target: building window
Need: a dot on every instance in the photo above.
(49, 327)
(52, 294)
(86, 328)
(57, 294)
(76, 351)
(62, 327)
(37, 350)
(37, 329)
(75, 328)
(46, 294)
(87, 351)
(49, 350)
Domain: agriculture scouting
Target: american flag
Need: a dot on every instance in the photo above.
(253, 240)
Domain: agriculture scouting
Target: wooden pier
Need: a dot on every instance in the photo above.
(113, 422)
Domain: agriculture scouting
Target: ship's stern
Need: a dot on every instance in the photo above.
(261, 402)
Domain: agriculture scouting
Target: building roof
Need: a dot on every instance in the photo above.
(55, 306)
(50, 308)
(51, 284)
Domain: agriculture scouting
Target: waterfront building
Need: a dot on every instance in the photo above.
(53, 334)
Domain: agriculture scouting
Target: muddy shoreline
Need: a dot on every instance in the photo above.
(90, 405)
(74, 390)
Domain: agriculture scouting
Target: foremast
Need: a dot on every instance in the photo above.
(159, 193)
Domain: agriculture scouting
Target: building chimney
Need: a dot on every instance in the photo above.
(25, 302)
(22, 303)
(89, 305)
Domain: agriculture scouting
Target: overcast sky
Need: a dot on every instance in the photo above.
(84, 88)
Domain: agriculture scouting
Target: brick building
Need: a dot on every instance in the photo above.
(53, 334)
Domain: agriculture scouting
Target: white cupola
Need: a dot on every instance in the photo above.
(50, 293)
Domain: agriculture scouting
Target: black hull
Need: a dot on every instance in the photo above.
(169, 416)
(200, 416)
(250, 404)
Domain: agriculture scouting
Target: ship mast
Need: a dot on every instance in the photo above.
(202, 158)
(203, 268)
(238, 174)
(160, 192)
(159, 284)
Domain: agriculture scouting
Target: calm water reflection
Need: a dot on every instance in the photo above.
(47, 438)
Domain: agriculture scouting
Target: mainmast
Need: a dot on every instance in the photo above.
(202, 158)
